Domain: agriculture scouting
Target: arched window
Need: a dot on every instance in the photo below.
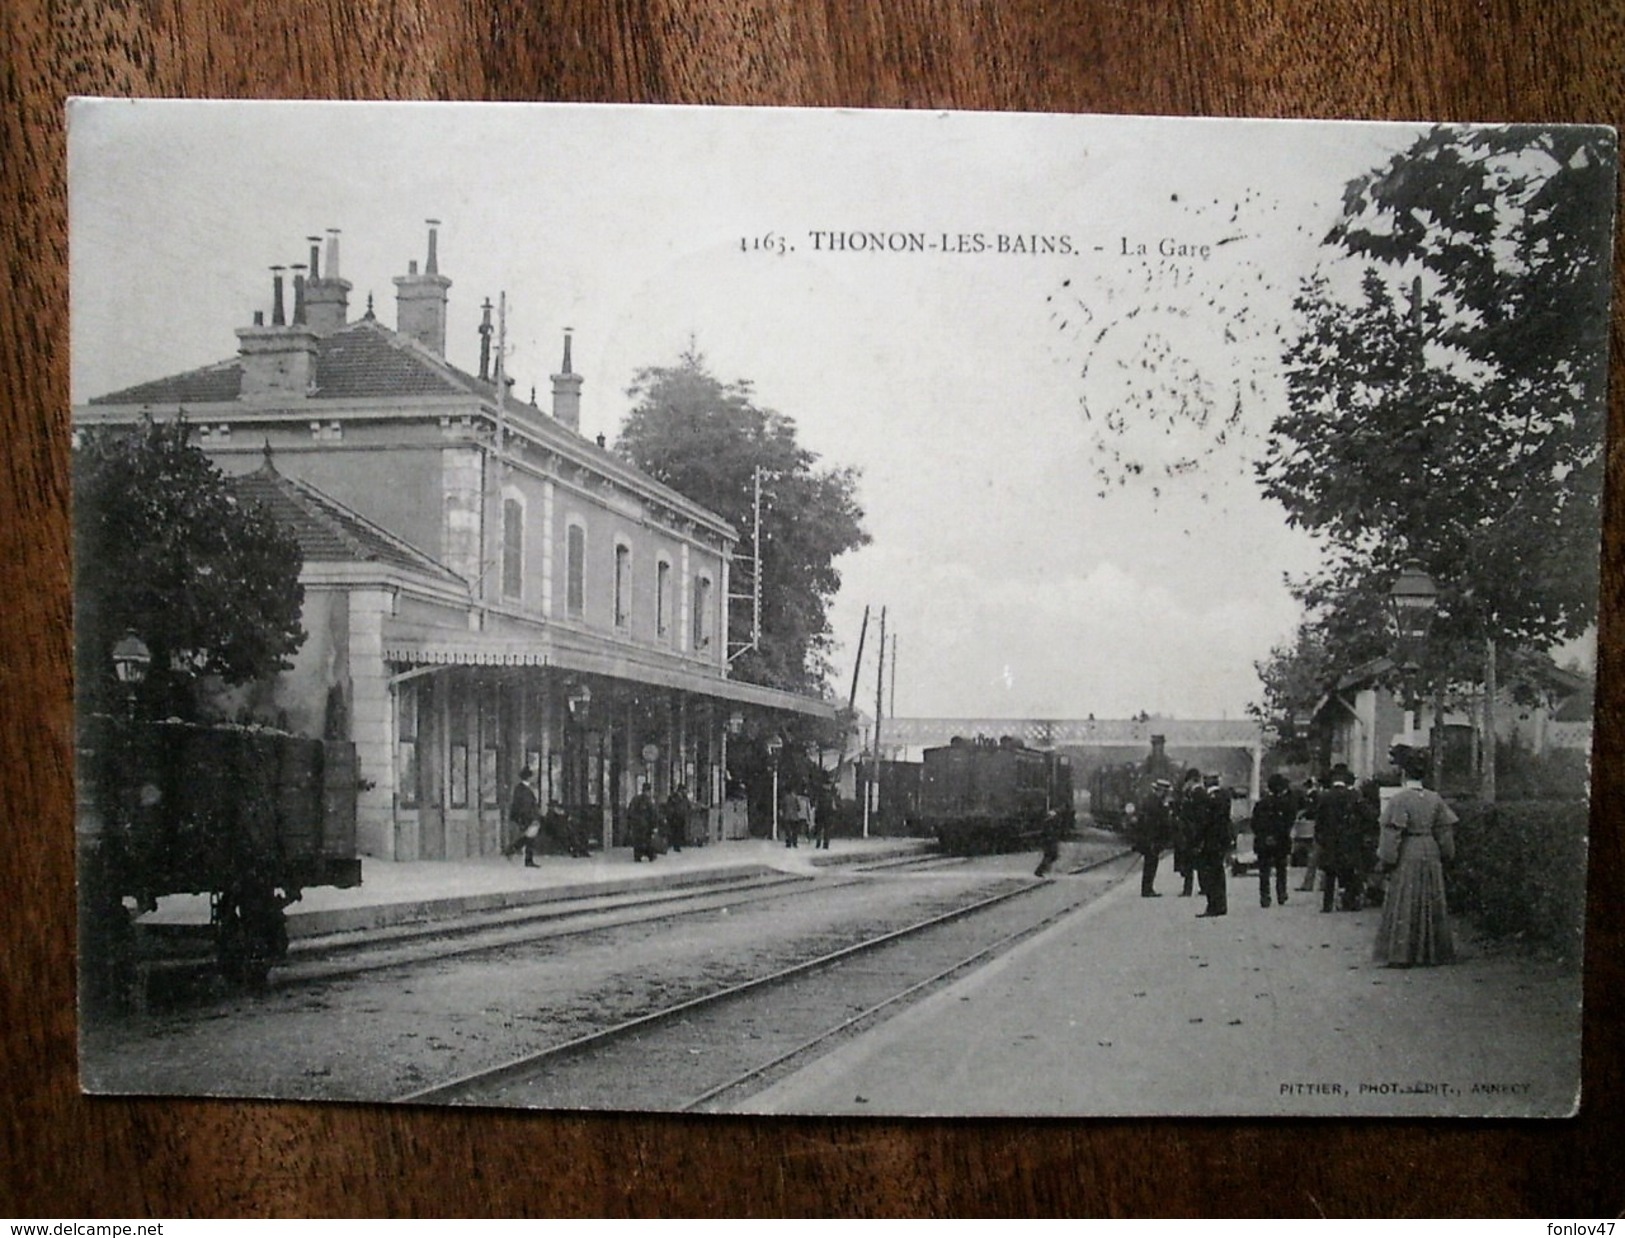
(575, 572)
(513, 548)
(623, 584)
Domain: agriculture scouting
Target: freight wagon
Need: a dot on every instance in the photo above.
(980, 795)
(249, 816)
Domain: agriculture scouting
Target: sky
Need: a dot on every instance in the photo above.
(1050, 344)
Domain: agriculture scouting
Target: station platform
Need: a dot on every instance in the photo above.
(1135, 1007)
(394, 893)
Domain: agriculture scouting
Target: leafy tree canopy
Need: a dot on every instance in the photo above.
(705, 438)
(165, 550)
(1446, 388)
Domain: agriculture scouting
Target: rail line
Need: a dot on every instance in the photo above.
(465, 1089)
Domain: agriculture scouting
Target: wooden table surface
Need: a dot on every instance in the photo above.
(64, 1155)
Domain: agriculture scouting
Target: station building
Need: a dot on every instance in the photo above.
(485, 587)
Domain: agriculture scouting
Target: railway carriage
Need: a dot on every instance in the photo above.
(979, 796)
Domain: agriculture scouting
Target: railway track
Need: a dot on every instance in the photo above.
(354, 954)
(188, 974)
(509, 1082)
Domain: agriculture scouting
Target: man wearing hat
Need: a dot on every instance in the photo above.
(1213, 847)
(1338, 831)
(1154, 824)
(524, 817)
(1273, 816)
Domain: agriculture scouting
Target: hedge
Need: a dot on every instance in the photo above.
(1520, 870)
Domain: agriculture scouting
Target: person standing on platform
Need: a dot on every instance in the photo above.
(1308, 801)
(792, 815)
(1190, 814)
(1272, 837)
(1418, 835)
(1154, 823)
(524, 818)
(643, 820)
(1337, 834)
(676, 814)
(1212, 849)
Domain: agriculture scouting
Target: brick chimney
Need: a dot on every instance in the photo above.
(420, 301)
(278, 361)
(567, 391)
(327, 296)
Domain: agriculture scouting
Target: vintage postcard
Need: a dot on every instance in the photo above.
(774, 611)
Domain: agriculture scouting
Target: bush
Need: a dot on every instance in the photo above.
(1520, 870)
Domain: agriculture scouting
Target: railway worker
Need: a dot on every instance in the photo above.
(1213, 848)
(1190, 814)
(1154, 823)
(1049, 833)
(1272, 836)
(676, 814)
(524, 818)
(643, 820)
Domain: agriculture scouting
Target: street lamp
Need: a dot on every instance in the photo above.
(577, 700)
(1411, 601)
(775, 745)
(131, 658)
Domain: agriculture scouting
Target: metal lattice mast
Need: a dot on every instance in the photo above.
(754, 597)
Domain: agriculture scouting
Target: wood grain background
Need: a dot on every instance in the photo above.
(66, 1155)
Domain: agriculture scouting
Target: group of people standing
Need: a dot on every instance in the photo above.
(1195, 821)
(1404, 842)
(798, 815)
(653, 828)
(532, 830)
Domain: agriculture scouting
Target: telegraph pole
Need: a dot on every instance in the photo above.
(880, 711)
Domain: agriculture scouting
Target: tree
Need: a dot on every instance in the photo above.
(1295, 676)
(705, 439)
(165, 550)
(1450, 411)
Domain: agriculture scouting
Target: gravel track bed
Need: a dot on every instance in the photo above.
(393, 1031)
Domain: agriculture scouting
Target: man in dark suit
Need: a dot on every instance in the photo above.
(677, 816)
(1213, 848)
(1272, 836)
(1154, 827)
(643, 820)
(524, 818)
(1190, 815)
(1339, 832)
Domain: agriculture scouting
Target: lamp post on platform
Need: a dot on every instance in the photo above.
(775, 745)
(1412, 599)
(131, 658)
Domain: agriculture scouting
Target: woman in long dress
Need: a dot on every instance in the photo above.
(1418, 834)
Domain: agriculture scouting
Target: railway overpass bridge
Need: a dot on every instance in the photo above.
(1096, 740)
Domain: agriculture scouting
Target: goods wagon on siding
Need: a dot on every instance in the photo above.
(249, 816)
